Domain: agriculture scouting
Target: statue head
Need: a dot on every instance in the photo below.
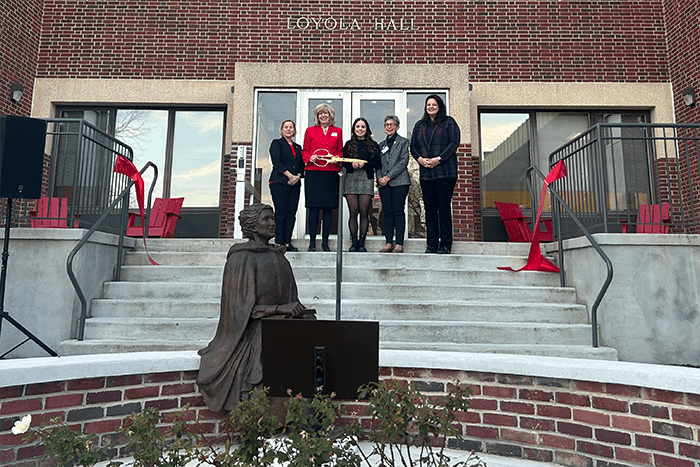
(251, 228)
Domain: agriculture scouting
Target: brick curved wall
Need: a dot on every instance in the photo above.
(568, 422)
(527, 40)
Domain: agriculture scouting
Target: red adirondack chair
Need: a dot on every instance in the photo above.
(517, 226)
(164, 215)
(652, 218)
(51, 213)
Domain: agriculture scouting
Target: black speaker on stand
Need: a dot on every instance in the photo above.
(22, 142)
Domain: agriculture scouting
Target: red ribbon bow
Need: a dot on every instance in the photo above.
(535, 260)
(124, 166)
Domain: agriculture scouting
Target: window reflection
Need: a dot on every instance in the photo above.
(273, 109)
(196, 167)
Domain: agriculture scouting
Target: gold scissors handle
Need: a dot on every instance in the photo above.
(326, 158)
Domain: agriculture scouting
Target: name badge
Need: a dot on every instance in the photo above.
(334, 134)
(385, 149)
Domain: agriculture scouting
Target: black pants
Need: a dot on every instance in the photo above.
(286, 200)
(393, 201)
(437, 198)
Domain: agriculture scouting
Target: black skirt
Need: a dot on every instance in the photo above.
(321, 189)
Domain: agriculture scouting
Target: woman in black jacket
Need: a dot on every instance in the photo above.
(285, 182)
(359, 180)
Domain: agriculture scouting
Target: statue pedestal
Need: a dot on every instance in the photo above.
(294, 352)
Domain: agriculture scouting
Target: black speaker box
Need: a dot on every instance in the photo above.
(22, 142)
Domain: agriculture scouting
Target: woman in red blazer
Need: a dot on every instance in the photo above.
(321, 187)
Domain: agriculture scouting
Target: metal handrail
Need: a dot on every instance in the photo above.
(124, 198)
(560, 242)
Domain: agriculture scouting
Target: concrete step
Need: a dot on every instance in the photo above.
(466, 262)
(485, 333)
(376, 310)
(398, 274)
(373, 244)
(86, 347)
(461, 332)
(350, 290)
(545, 350)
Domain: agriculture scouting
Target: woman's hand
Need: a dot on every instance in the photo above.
(313, 158)
(358, 165)
(383, 181)
(294, 179)
(428, 163)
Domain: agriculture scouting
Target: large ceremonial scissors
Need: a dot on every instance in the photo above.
(326, 158)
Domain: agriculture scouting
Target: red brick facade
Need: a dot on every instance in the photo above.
(631, 41)
(20, 23)
(524, 40)
(568, 422)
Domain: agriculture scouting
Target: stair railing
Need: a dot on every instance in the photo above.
(123, 198)
(557, 218)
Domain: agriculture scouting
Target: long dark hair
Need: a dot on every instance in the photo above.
(354, 143)
(442, 111)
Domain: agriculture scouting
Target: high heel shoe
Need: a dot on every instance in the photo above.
(325, 247)
(312, 245)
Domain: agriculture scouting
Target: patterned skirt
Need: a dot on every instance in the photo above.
(357, 183)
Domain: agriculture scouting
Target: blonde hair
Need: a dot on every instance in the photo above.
(293, 124)
(328, 109)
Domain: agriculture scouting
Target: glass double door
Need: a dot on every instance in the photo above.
(348, 106)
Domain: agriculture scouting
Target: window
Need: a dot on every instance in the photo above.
(512, 141)
(185, 144)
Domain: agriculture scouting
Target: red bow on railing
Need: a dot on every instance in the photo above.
(124, 166)
(535, 260)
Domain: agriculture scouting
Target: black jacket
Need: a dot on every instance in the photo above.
(283, 159)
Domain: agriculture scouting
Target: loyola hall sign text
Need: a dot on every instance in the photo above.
(330, 23)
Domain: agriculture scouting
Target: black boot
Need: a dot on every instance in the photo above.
(361, 244)
(353, 247)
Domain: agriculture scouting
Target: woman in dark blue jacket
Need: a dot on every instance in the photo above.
(285, 182)
(434, 144)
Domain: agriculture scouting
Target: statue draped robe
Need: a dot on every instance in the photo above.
(231, 365)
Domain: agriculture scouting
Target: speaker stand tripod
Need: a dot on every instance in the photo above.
(3, 277)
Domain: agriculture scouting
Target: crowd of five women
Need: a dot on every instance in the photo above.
(434, 142)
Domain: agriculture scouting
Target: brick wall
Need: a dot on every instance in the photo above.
(568, 422)
(503, 40)
(20, 23)
(683, 36)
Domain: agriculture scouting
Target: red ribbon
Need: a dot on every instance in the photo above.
(124, 166)
(535, 260)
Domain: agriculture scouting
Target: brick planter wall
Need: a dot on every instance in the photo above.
(569, 422)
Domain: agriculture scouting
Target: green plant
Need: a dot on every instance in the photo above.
(152, 444)
(312, 437)
(406, 423)
(66, 446)
(407, 429)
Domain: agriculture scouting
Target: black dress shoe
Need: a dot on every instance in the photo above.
(312, 247)
(443, 250)
(326, 248)
(431, 250)
(292, 248)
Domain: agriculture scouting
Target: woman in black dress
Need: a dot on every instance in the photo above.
(359, 180)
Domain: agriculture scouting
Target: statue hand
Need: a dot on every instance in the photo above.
(292, 310)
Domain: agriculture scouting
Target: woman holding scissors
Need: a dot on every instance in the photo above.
(321, 188)
(359, 181)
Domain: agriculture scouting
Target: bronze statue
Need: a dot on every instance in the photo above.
(258, 282)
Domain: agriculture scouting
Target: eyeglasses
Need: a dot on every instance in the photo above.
(390, 124)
